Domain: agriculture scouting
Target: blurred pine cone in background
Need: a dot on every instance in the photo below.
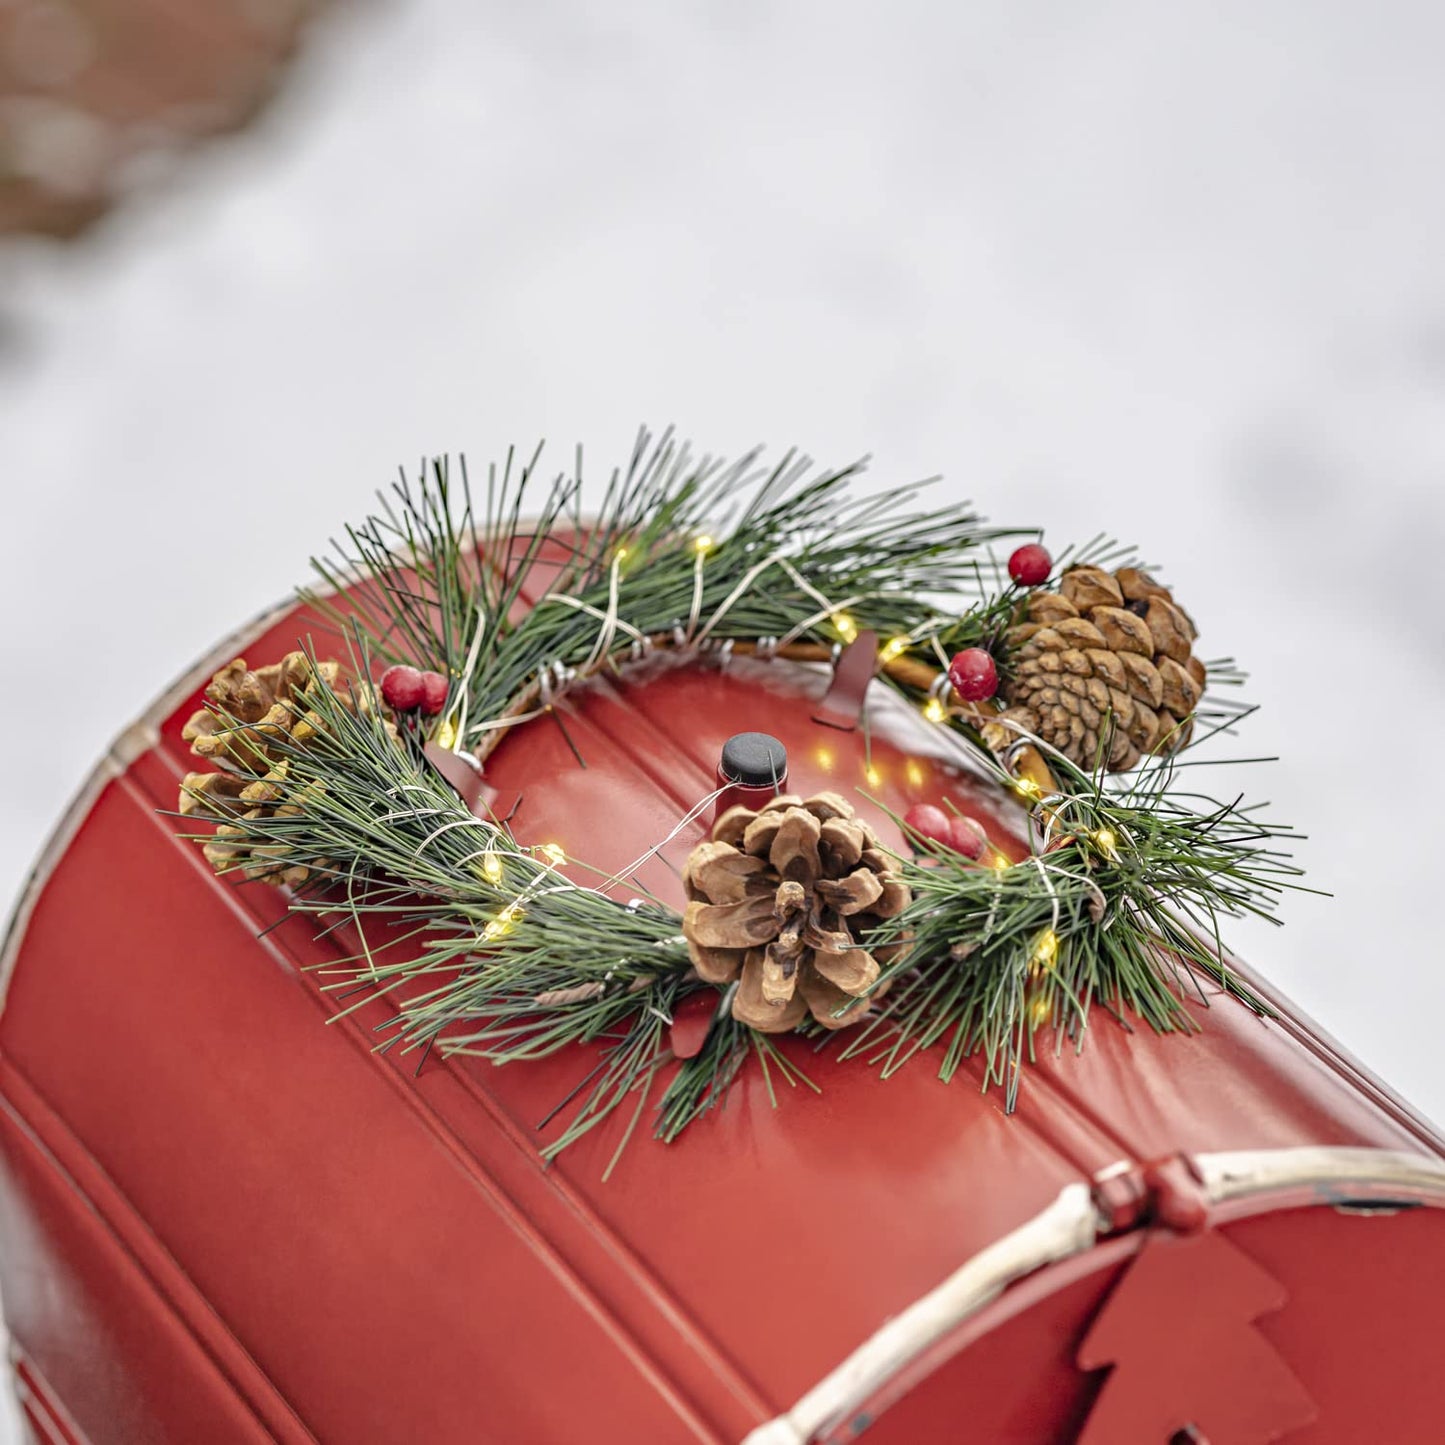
(92, 91)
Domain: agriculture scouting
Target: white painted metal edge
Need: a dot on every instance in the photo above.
(1240, 1173)
(1069, 1226)
(133, 741)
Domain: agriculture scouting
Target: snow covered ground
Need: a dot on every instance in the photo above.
(1171, 272)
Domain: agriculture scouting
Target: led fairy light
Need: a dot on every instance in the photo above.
(504, 922)
(1046, 950)
(512, 914)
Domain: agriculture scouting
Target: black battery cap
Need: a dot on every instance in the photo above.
(754, 760)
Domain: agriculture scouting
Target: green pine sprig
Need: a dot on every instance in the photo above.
(717, 551)
(1120, 905)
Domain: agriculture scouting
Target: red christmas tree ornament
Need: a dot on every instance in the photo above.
(1030, 565)
(434, 689)
(1211, 1370)
(974, 674)
(930, 822)
(402, 688)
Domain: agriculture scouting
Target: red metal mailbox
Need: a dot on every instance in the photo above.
(226, 1217)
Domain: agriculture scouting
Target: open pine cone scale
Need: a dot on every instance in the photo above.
(252, 717)
(1103, 669)
(781, 900)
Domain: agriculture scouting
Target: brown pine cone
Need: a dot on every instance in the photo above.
(784, 898)
(250, 713)
(1103, 669)
(268, 704)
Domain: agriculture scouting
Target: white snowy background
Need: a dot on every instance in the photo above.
(1172, 272)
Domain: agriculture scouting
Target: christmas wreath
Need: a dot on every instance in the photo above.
(359, 785)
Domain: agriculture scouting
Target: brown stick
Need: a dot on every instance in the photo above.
(580, 993)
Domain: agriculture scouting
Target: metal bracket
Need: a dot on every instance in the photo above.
(842, 704)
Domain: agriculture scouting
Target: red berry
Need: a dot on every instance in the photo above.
(973, 674)
(1030, 565)
(967, 836)
(401, 687)
(434, 693)
(931, 823)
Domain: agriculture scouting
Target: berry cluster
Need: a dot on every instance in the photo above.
(961, 834)
(405, 689)
(973, 672)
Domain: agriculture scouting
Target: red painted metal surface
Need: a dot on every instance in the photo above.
(224, 1217)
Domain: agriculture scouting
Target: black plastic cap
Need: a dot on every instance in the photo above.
(754, 759)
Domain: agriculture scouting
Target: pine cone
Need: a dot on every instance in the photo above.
(251, 713)
(785, 897)
(1104, 667)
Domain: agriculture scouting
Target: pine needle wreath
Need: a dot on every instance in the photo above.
(492, 951)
